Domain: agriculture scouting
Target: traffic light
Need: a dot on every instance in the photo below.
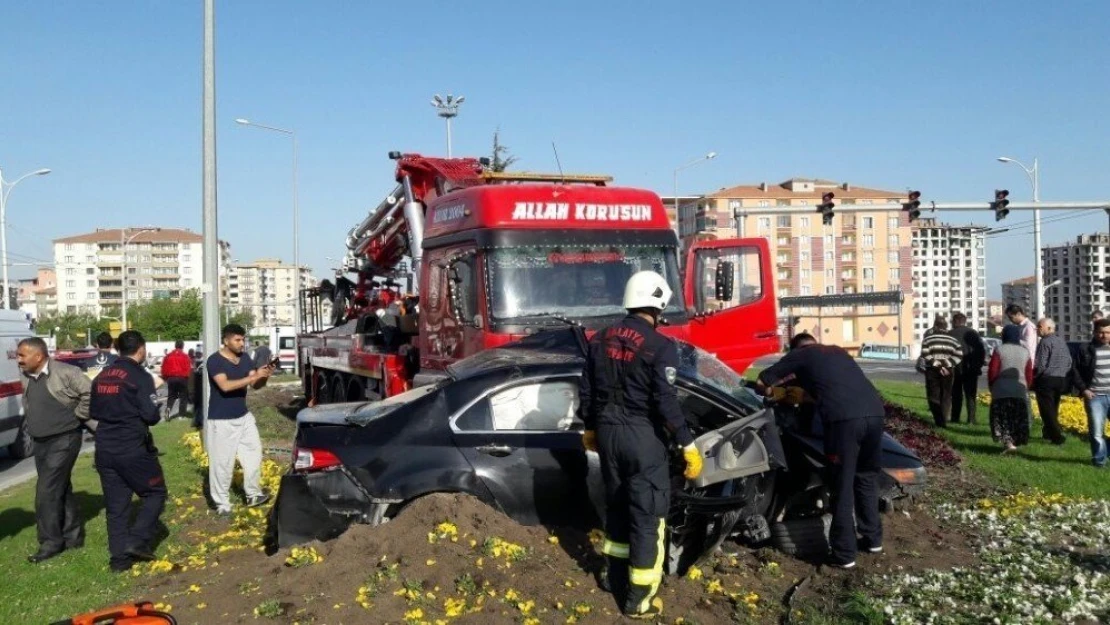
(913, 206)
(1000, 203)
(826, 208)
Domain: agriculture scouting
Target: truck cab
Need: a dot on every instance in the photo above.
(502, 262)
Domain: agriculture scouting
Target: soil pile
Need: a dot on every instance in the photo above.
(452, 559)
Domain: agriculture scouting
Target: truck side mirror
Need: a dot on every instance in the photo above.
(724, 279)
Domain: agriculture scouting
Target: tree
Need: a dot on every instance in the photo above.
(168, 319)
(71, 329)
(499, 162)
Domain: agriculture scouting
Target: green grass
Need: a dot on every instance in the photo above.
(1056, 469)
(76, 581)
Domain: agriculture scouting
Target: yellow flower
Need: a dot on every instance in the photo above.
(194, 588)
(414, 614)
(201, 606)
(454, 607)
(694, 573)
(554, 540)
(714, 586)
(430, 562)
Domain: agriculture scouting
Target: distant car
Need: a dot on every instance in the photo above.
(503, 428)
(991, 344)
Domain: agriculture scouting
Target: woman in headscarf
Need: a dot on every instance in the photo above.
(1010, 375)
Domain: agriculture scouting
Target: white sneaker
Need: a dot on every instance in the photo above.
(843, 565)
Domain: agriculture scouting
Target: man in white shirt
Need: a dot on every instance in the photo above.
(1017, 316)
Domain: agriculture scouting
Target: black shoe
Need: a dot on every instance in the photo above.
(77, 544)
(141, 554)
(836, 564)
(867, 546)
(42, 556)
(121, 568)
(258, 500)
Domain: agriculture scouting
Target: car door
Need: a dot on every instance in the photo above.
(525, 443)
(730, 287)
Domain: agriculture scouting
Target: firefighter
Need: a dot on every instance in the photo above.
(851, 413)
(628, 403)
(123, 402)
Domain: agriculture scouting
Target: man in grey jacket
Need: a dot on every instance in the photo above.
(56, 407)
(1050, 378)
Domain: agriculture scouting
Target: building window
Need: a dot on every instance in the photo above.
(764, 203)
(894, 273)
(868, 256)
(90, 283)
(892, 257)
(784, 240)
(805, 274)
(830, 290)
(892, 223)
(828, 256)
(868, 273)
(869, 240)
(804, 221)
(830, 274)
(68, 259)
(892, 240)
(69, 247)
(868, 223)
(804, 289)
(764, 224)
(804, 257)
(71, 283)
(70, 271)
(828, 240)
(783, 221)
(90, 271)
(782, 202)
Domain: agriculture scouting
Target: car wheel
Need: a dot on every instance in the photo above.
(803, 538)
(23, 446)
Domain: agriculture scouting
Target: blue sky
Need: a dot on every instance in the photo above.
(890, 95)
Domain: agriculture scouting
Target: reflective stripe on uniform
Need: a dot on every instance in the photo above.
(617, 550)
(654, 575)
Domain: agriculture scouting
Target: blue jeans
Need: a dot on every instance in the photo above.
(1097, 408)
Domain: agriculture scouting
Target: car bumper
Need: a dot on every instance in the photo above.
(315, 506)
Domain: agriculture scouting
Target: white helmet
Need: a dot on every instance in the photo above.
(646, 289)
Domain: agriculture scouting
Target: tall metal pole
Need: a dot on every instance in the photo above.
(211, 237)
(448, 137)
(4, 235)
(297, 312)
(1039, 282)
(123, 279)
(4, 226)
(677, 218)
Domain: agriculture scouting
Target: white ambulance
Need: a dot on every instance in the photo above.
(14, 327)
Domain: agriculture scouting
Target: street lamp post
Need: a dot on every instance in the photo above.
(4, 192)
(296, 229)
(123, 267)
(447, 109)
(1038, 280)
(700, 159)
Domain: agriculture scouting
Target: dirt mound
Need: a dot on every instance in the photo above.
(452, 559)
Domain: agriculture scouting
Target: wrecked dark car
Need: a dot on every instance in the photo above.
(502, 427)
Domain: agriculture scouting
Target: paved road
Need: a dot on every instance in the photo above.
(14, 471)
(892, 370)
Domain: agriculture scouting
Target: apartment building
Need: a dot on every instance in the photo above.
(1020, 292)
(859, 253)
(1073, 277)
(949, 274)
(268, 289)
(32, 297)
(96, 269)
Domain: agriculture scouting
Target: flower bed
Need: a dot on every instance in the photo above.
(1042, 559)
(915, 434)
(1073, 417)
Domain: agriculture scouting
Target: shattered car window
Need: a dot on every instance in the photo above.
(705, 369)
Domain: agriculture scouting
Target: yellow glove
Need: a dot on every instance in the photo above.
(693, 461)
(589, 440)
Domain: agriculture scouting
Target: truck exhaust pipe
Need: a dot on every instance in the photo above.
(414, 215)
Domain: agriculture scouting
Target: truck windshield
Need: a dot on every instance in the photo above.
(578, 282)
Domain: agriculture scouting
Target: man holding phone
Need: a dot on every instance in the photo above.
(230, 430)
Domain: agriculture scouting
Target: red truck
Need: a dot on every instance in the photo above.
(504, 255)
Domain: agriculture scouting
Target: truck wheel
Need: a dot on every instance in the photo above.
(338, 390)
(355, 390)
(808, 537)
(321, 392)
(23, 446)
